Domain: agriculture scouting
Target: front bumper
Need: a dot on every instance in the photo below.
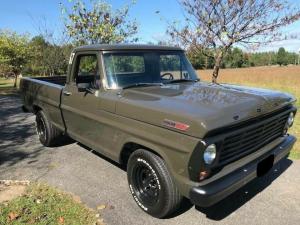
(217, 190)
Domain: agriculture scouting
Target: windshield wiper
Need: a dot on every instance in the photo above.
(142, 85)
(182, 80)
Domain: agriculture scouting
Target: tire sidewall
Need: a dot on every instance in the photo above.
(41, 116)
(158, 209)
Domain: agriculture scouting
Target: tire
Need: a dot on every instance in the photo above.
(48, 134)
(151, 184)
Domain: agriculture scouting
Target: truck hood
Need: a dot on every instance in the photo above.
(202, 106)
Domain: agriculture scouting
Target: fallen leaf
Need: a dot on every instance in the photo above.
(100, 207)
(61, 220)
(12, 216)
(97, 215)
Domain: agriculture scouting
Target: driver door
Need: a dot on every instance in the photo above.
(80, 99)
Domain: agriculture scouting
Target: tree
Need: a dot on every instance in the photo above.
(282, 57)
(49, 57)
(217, 25)
(98, 24)
(56, 57)
(237, 58)
(14, 52)
(198, 59)
(38, 45)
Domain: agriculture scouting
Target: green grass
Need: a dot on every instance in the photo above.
(7, 86)
(4, 83)
(42, 204)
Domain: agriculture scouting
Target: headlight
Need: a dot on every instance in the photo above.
(290, 120)
(210, 154)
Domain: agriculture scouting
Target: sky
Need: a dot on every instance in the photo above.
(27, 15)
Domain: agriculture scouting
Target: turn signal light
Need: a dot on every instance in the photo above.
(203, 175)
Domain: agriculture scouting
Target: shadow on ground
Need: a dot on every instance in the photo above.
(19, 146)
(14, 132)
(102, 157)
(8, 91)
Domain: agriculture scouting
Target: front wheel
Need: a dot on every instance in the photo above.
(151, 184)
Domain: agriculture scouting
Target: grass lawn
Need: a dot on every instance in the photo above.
(7, 86)
(41, 204)
(286, 78)
(4, 83)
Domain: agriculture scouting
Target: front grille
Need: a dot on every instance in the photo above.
(252, 136)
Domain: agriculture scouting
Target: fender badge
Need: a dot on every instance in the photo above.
(175, 125)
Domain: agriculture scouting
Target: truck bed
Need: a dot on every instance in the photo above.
(59, 80)
(44, 93)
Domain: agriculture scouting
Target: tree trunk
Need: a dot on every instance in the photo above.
(218, 60)
(16, 79)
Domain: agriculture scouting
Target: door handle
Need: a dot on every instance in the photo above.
(67, 93)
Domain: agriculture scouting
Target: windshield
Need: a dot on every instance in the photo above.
(129, 68)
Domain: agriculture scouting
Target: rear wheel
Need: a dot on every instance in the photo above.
(151, 184)
(48, 134)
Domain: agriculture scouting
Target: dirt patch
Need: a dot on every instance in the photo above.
(11, 189)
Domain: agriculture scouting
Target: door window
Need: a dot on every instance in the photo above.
(87, 71)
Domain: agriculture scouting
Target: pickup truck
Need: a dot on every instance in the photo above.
(144, 107)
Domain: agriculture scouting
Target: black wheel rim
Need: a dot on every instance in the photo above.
(41, 128)
(145, 184)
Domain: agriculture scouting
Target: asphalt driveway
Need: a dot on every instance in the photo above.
(273, 199)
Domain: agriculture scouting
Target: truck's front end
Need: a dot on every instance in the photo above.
(227, 158)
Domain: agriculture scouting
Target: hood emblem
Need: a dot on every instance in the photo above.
(175, 125)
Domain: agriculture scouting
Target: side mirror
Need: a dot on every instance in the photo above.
(85, 87)
(82, 87)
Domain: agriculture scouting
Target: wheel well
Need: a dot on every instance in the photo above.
(36, 109)
(129, 148)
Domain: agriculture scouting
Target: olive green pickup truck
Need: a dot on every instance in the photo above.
(145, 108)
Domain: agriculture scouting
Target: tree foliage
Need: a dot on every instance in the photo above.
(35, 56)
(15, 52)
(213, 27)
(48, 58)
(282, 57)
(237, 58)
(98, 23)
